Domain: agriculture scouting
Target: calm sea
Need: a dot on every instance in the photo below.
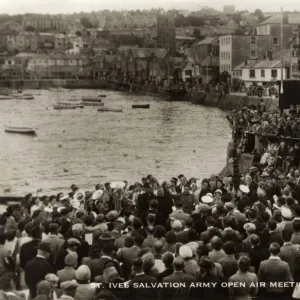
(86, 147)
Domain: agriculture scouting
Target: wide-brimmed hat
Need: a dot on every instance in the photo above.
(207, 199)
(79, 196)
(117, 185)
(206, 263)
(97, 195)
(243, 188)
(106, 236)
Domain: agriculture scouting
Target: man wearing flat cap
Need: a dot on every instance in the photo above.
(69, 290)
(70, 246)
(38, 268)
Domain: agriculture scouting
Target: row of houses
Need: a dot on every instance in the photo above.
(34, 41)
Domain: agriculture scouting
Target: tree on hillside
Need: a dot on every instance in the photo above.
(259, 14)
(195, 20)
(78, 33)
(29, 28)
(85, 22)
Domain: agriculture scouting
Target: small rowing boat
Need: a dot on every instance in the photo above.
(103, 96)
(21, 130)
(91, 99)
(62, 106)
(140, 105)
(3, 97)
(92, 104)
(79, 105)
(110, 109)
(24, 97)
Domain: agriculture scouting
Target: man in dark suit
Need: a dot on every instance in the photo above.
(28, 250)
(143, 201)
(38, 268)
(178, 276)
(227, 223)
(275, 236)
(288, 252)
(274, 270)
(183, 236)
(257, 253)
(246, 244)
(183, 182)
(137, 292)
(211, 230)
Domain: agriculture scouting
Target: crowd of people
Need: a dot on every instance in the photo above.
(221, 239)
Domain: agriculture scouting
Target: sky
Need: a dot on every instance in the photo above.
(71, 6)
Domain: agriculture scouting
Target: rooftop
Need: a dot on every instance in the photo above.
(288, 19)
(266, 64)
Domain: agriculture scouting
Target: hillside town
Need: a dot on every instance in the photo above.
(238, 47)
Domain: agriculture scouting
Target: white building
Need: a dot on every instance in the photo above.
(263, 72)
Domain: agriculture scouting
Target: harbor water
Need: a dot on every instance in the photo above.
(87, 147)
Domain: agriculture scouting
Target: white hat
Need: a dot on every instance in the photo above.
(207, 199)
(77, 227)
(209, 194)
(79, 196)
(121, 219)
(63, 197)
(75, 203)
(96, 195)
(59, 209)
(286, 212)
(185, 251)
(249, 227)
(117, 185)
(219, 191)
(244, 189)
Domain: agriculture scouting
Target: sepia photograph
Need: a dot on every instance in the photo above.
(149, 150)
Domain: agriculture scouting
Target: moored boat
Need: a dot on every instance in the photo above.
(3, 97)
(140, 105)
(21, 130)
(110, 109)
(24, 97)
(91, 99)
(79, 105)
(103, 96)
(62, 106)
(92, 103)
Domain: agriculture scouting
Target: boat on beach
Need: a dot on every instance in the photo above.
(140, 105)
(91, 99)
(110, 109)
(20, 130)
(92, 103)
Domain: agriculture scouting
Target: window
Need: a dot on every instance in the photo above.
(274, 73)
(252, 73)
(228, 55)
(295, 68)
(275, 41)
(253, 40)
(262, 73)
(253, 53)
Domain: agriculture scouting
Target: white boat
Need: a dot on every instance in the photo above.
(24, 97)
(91, 99)
(92, 103)
(110, 109)
(21, 130)
(79, 105)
